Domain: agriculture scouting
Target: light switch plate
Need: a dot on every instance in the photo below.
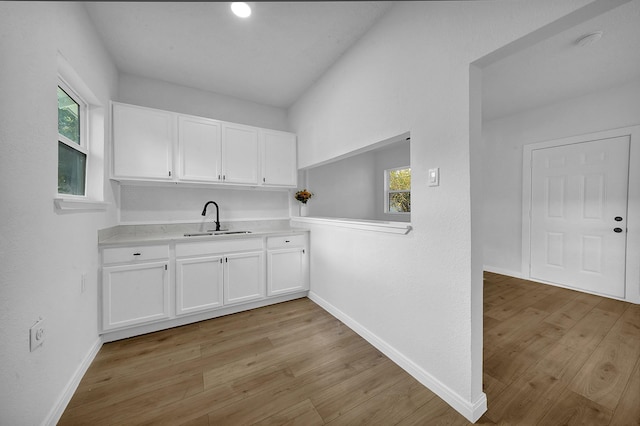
(434, 177)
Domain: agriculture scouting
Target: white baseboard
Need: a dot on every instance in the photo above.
(502, 271)
(470, 410)
(56, 412)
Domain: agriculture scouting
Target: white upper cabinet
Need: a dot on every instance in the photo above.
(199, 149)
(279, 158)
(239, 154)
(206, 150)
(143, 140)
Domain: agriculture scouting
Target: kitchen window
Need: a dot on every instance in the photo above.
(397, 190)
(72, 142)
(82, 120)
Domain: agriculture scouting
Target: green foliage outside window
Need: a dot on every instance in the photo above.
(72, 161)
(68, 117)
(400, 190)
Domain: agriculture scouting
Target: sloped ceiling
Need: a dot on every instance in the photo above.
(558, 68)
(284, 47)
(270, 58)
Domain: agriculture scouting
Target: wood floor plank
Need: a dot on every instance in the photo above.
(434, 412)
(551, 356)
(628, 409)
(574, 409)
(388, 406)
(525, 400)
(301, 414)
(587, 334)
(605, 375)
(568, 315)
(347, 394)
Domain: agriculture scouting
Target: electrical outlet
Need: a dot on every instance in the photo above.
(36, 334)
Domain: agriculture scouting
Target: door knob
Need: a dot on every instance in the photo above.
(618, 219)
(618, 230)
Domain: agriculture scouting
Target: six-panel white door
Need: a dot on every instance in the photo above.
(578, 215)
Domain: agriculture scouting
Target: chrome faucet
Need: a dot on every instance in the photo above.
(204, 213)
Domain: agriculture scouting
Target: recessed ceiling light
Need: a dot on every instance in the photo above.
(589, 39)
(241, 9)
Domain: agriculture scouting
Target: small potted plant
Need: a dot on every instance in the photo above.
(303, 196)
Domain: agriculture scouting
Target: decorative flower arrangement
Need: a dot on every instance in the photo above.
(303, 196)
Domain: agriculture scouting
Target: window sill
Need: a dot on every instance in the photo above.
(77, 205)
(401, 228)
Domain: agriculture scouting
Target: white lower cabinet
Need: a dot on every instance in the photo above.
(287, 264)
(211, 274)
(139, 287)
(134, 294)
(243, 277)
(199, 284)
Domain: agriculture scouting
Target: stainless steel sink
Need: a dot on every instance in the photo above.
(200, 234)
(229, 232)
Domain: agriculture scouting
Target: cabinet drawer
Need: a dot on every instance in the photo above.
(131, 254)
(286, 241)
(213, 247)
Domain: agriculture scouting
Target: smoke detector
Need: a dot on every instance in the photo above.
(589, 39)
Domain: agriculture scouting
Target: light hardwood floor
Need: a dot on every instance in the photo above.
(552, 357)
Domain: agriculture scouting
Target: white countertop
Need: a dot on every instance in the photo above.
(175, 232)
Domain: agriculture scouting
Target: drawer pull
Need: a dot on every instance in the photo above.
(287, 241)
(137, 254)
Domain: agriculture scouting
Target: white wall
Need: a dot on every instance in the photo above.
(43, 253)
(502, 174)
(172, 97)
(145, 204)
(416, 294)
(344, 189)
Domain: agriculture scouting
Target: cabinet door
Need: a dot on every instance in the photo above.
(200, 149)
(198, 284)
(279, 158)
(244, 277)
(143, 140)
(287, 271)
(134, 294)
(239, 154)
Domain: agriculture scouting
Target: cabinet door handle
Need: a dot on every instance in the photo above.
(165, 267)
(287, 241)
(169, 173)
(303, 251)
(137, 254)
(264, 180)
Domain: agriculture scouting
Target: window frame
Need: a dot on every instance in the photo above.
(388, 192)
(83, 145)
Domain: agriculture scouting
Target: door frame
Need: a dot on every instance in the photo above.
(632, 261)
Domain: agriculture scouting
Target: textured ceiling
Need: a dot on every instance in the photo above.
(557, 68)
(284, 47)
(270, 58)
